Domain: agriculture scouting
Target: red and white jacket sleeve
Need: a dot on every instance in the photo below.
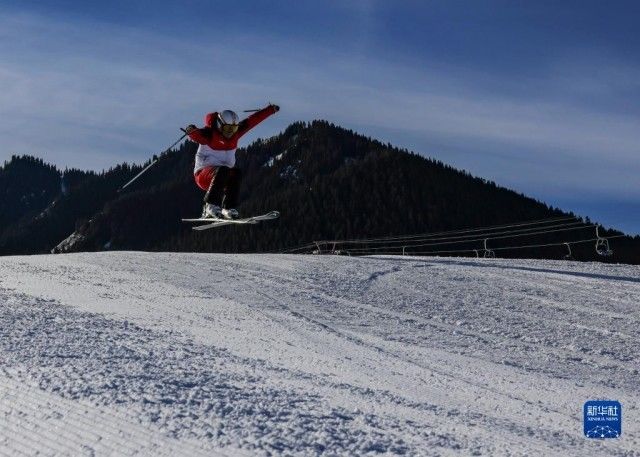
(253, 120)
(199, 136)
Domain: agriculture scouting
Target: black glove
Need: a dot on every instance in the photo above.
(190, 128)
(276, 108)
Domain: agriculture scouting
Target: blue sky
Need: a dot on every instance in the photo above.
(542, 97)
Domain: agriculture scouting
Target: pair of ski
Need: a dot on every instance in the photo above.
(213, 222)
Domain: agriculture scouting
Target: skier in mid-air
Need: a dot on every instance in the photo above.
(215, 171)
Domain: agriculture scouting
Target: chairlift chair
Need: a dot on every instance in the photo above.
(488, 253)
(602, 245)
(569, 255)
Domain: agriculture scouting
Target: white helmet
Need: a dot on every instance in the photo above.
(227, 122)
(228, 117)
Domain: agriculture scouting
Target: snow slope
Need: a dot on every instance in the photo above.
(203, 354)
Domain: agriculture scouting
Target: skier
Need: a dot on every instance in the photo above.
(215, 171)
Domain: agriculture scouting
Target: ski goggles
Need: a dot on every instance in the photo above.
(229, 129)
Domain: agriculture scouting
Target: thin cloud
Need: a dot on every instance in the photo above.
(90, 95)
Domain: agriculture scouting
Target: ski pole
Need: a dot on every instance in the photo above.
(256, 110)
(153, 162)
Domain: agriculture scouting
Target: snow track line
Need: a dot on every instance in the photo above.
(23, 439)
(52, 439)
(31, 399)
(509, 426)
(262, 401)
(587, 360)
(496, 264)
(402, 358)
(260, 274)
(357, 355)
(327, 383)
(547, 303)
(104, 432)
(589, 313)
(32, 402)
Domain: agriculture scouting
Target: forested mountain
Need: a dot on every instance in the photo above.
(41, 205)
(23, 197)
(327, 182)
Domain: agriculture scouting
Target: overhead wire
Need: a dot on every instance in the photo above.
(453, 232)
(434, 234)
(516, 235)
(481, 234)
(462, 236)
(530, 246)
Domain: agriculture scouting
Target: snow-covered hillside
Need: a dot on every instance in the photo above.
(201, 354)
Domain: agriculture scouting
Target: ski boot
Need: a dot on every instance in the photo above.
(230, 213)
(210, 211)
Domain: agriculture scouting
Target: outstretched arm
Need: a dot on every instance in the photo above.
(257, 117)
(200, 136)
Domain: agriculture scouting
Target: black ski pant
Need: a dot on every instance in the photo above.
(224, 188)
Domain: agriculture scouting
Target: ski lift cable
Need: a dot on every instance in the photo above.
(568, 243)
(477, 251)
(459, 236)
(416, 237)
(452, 232)
(604, 250)
(298, 248)
(479, 229)
(520, 230)
(517, 235)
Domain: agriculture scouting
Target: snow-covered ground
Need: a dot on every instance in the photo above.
(202, 354)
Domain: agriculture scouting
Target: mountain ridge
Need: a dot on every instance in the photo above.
(328, 183)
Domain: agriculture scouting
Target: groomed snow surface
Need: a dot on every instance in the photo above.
(201, 354)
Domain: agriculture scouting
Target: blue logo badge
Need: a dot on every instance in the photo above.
(602, 419)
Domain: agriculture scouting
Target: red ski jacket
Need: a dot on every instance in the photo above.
(210, 136)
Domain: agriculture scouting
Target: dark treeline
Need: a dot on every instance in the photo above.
(327, 182)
